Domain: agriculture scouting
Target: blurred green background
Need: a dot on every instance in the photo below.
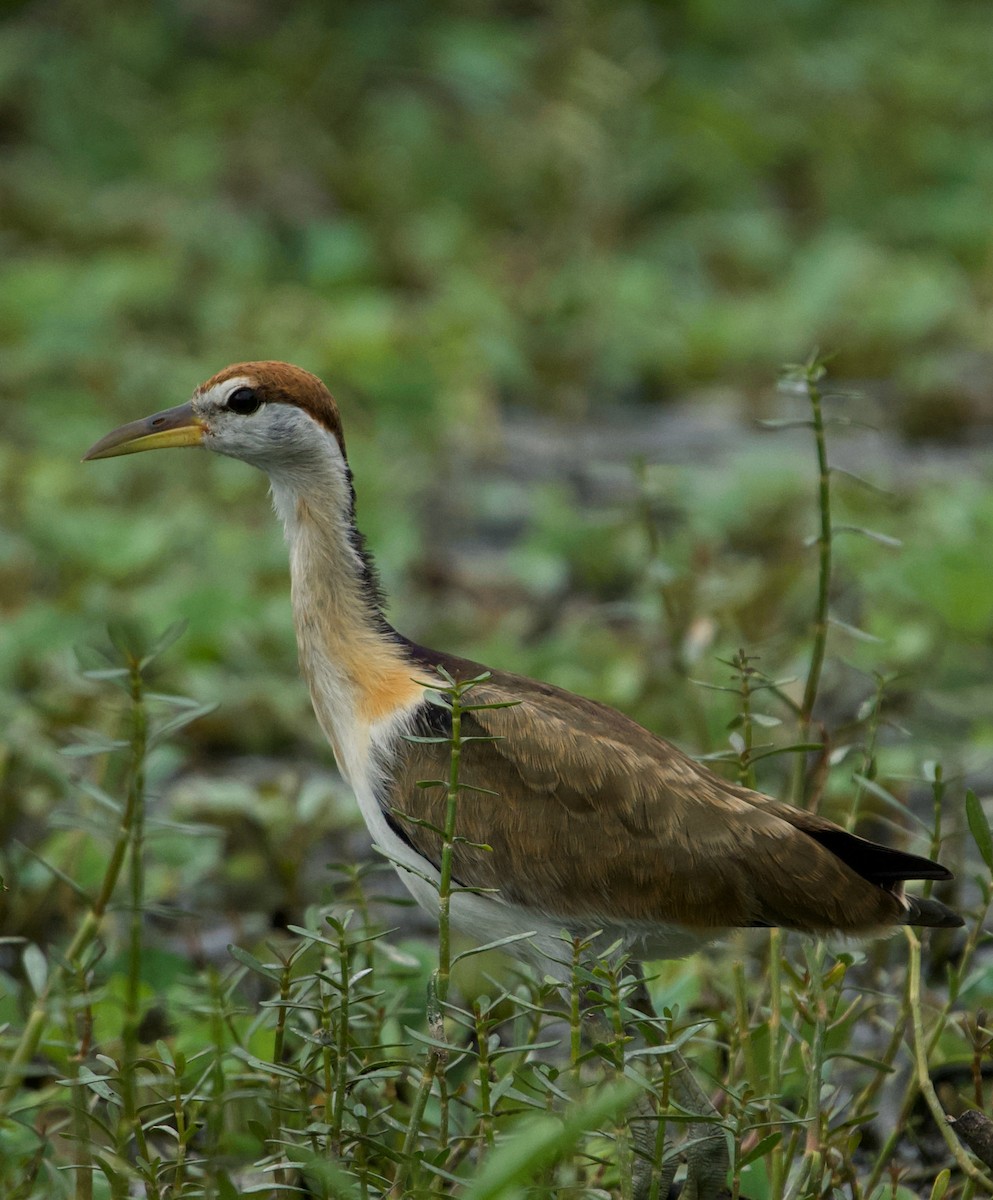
(526, 244)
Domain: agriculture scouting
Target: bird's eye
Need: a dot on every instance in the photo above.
(244, 400)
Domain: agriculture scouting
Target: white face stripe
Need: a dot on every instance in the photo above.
(217, 396)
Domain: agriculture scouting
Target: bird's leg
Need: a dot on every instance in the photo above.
(706, 1151)
(645, 1134)
(652, 1173)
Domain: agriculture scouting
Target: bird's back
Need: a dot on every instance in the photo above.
(589, 818)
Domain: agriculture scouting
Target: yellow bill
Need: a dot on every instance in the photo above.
(178, 426)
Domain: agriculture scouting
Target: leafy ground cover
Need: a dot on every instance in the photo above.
(463, 217)
(441, 207)
(196, 1004)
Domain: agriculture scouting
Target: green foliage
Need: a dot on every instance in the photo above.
(443, 209)
(308, 1056)
(435, 205)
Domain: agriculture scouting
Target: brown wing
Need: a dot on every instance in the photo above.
(597, 818)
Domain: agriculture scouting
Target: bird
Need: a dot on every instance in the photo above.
(575, 820)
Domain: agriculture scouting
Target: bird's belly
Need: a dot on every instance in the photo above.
(546, 940)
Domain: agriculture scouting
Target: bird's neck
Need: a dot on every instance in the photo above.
(355, 664)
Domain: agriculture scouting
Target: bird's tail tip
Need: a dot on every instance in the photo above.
(931, 914)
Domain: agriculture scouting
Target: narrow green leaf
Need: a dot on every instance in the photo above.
(175, 701)
(117, 1171)
(97, 1084)
(163, 732)
(99, 796)
(258, 1129)
(884, 539)
(436, 1043)
(125, 638)
(979, 827)
(795, 748)
(716, 687)
(165, 640)
(419, 821)
(853, 631)
(940, 1185)
(528, 1048)
(760, 1148)
(863, 1060)
(59, 874)
(866, 483)
(482, 677)
(723, 756)
(95, 744)
(35, 967)
(262, 1064)
(250, 961)
(889, 800)
(495, 945)
(405, 864)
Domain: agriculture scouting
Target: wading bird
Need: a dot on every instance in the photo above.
(588, 822)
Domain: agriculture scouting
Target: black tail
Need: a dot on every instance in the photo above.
(878, 864)
(931, 913)
(889, 868)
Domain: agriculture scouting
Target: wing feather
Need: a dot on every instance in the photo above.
(596, 819)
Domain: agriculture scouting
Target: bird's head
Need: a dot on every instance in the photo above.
(275, 416)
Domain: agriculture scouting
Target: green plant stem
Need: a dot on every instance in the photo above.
(676, 620)
(658, 1155)
(278, 1044)
(84, 937)
(810, 1177)
(444, 971)
(777, 1168)
(743, 1025)
(824, 552)
(575, 1006)
(132, 997)
(445, 912)
(906, 1013)
(438, 996)
(977, 1177)
(179, 1116)
(214, 1123)
(483, 1073)
(813, 372)
(746, 769)
(81, 1030)
(868, 756)
(938, 797)
(341, 1046)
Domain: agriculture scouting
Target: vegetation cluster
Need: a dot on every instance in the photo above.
(468, 218)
